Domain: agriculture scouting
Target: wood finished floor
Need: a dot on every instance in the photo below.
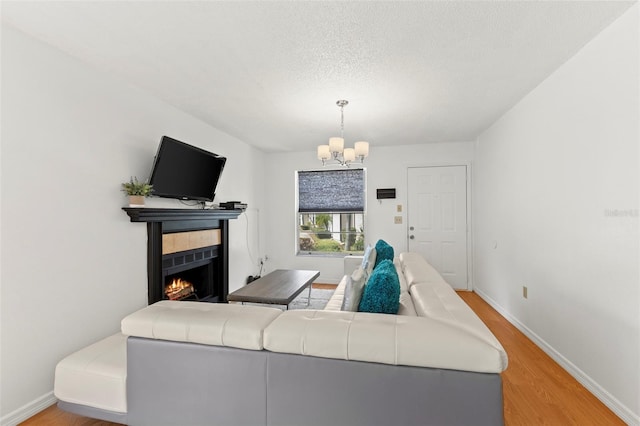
(537, 391)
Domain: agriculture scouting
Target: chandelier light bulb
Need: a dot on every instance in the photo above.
(323, 152)
(362, 149)
(349, 155)
(336, 145)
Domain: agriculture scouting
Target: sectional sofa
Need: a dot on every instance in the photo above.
(189, 363)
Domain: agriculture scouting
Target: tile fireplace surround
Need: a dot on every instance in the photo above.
(175, 233)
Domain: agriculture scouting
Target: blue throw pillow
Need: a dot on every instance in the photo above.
(365, 256)
(383, 252)
(382, 292)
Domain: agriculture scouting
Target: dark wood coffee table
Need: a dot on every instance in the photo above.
(279, 287)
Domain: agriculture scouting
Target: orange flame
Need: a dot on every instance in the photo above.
(178, 289)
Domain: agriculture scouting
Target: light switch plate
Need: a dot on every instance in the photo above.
(399, 208)
(397, 220)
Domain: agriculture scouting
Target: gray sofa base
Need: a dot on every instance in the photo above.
(171, 383)
(320, 391)
(94, 413)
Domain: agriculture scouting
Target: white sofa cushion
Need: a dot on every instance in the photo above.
(440, 302)
(404, 287)
(435, 300)
(336, 300)
(406, 305)
(386, 339)
(417, 270)
(95, 376)
(217, 324)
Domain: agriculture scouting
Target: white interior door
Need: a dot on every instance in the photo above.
(437, 219)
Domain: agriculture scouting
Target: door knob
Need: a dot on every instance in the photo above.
(411, 228)
(411, 237)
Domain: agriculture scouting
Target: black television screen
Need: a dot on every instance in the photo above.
(185, 172)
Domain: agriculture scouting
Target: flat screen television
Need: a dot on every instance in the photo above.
(185, 172)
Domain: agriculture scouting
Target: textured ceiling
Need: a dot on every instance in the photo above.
(270, 73)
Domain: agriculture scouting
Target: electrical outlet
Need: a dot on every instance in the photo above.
(524, 292)
(397, 220)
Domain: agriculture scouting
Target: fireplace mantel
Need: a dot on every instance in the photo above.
(144, 214)
(165, 221)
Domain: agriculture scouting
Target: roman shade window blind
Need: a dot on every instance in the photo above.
(331, 191)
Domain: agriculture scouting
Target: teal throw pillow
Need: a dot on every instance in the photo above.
(383, 251)
(382, 293)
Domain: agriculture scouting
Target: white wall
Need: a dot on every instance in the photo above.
(386, 168)
(547, 175)
(72, 263)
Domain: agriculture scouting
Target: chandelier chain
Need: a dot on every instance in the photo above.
(342, 122)
(342, 103)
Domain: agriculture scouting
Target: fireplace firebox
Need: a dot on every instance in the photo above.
(189, 245)
(191, 275)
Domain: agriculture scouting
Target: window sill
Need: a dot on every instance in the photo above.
(336, 255)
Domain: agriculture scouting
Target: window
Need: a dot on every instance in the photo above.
(330, 218)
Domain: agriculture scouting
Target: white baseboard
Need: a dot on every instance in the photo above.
(598, 391)
(28, 410)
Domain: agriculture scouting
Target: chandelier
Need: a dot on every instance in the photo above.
(336, 151)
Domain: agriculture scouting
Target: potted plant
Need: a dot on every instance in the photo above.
(136, 191)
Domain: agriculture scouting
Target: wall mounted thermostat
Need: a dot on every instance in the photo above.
(382, 193)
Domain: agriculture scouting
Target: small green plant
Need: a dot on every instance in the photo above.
(135, 187)
(328, 245)
(323, 220)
